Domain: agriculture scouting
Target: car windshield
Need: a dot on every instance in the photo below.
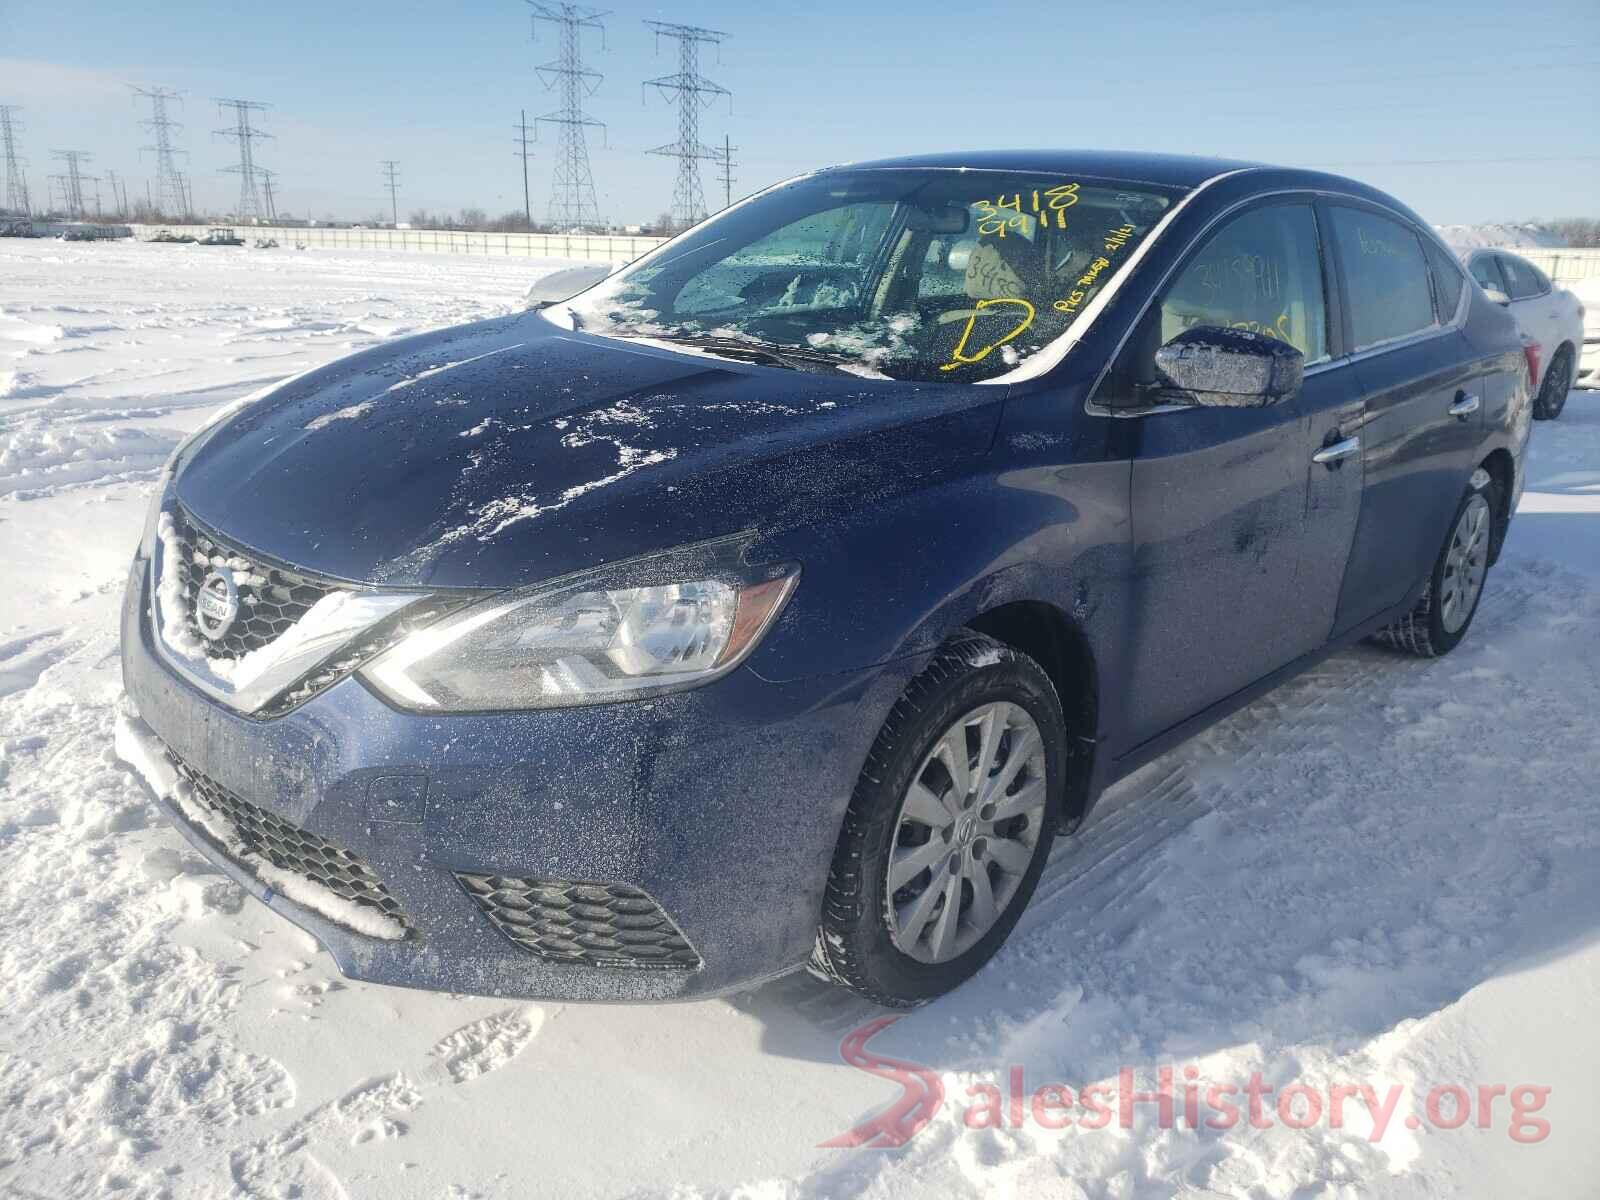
(888, 273)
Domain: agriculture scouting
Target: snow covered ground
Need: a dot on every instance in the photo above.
(1383, 875)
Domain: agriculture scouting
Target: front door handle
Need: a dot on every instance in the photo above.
(1466, 404)
(1332, 456)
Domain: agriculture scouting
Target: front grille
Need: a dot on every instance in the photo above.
(271, 598)
(290, 848)
(598, 924)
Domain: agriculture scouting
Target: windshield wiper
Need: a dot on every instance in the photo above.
(793, 358)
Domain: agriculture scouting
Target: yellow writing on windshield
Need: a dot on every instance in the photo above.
(959, 355)
(1010, 212)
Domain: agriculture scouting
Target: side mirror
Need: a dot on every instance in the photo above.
(564, 284)
(1497, 296)
(1230, 368)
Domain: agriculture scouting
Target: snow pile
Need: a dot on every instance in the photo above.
(1471, 237)
(38, 459)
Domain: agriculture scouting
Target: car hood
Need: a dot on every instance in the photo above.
(509, 451)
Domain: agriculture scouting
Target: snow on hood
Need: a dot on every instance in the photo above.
(509, 450)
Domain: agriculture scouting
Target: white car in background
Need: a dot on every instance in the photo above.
(1552, 316)
(1588, 293)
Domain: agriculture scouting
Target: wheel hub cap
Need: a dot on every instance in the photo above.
(967, 832)
(1465, 563)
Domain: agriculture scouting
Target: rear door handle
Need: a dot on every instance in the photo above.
(1465, 405)
(1332, 456)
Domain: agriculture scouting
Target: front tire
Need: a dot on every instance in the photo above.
(1450, 599)
(1552, 397)
(948, 828)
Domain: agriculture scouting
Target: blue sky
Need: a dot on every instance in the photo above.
(1469, 111)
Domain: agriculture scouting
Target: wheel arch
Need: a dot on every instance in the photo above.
(1502, 467)
(1060, 646)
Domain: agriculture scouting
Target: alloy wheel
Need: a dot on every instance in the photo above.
(966, 833)
(1465, 564)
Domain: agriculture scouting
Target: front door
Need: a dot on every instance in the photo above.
(1226, 502)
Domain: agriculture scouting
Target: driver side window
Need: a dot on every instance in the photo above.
(1261, 272)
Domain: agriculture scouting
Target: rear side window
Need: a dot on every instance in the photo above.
(1522, 281)
(1386, 276)
(1447, 281)
(1486, 273)
(1261, 272)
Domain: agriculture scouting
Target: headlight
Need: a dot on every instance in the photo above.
(549, 648)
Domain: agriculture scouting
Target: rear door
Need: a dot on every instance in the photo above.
(1423, 404)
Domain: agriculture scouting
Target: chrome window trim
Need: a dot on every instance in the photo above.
(1101, 410)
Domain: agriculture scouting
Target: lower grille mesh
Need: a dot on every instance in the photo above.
(598, 924)
(290, 848)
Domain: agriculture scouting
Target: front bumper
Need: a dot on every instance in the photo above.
(721, 804)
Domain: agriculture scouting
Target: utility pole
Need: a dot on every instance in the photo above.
(727, 172)
(72, 181)
(693, 91)
(391, 180)
(524, 154)
(572, 200)
(16, 181)
(246, 135)
(169, 185)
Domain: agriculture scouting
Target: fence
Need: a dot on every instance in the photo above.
(1566, 264)
(594, 247)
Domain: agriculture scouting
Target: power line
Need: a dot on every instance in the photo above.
(524, 154)
(16, 181)
(269, 194)
(572, 199)
(391, 180)
(169, 185)
(1463, 162)
(693, 91)
(119, 192)
(71, 183)
(1405, 78)
(246, 135)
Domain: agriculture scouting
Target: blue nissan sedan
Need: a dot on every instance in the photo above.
(780, 599)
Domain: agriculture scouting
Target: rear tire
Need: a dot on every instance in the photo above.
(1450, 598)
(1552, 396)
(976, 834)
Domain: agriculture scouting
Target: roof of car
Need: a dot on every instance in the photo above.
(1127, 166)
(1173, 170)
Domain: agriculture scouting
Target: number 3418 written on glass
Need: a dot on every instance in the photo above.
(1002, 213)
